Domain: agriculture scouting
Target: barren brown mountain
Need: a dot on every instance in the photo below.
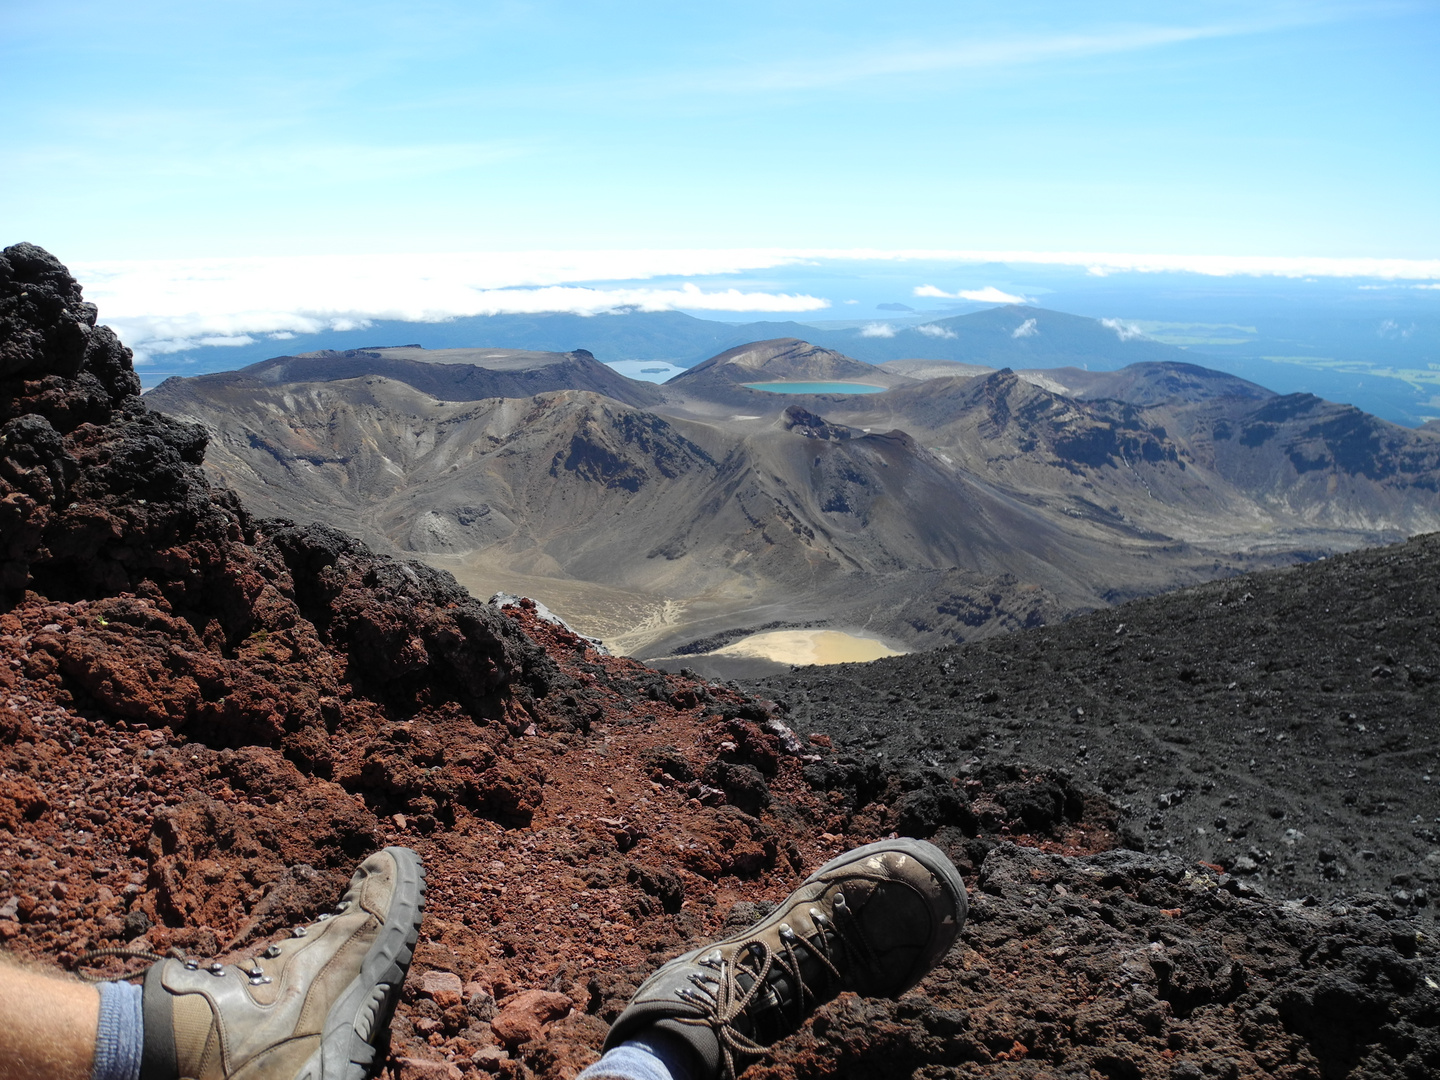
(945, 509)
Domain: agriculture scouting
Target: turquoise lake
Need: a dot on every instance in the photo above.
(815, 387)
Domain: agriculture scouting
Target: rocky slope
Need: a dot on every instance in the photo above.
(1176, 454)
(1149, 383)
(1280, 724)
(208, 718)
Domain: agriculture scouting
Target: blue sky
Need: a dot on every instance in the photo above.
(220, 174)
(178, 130)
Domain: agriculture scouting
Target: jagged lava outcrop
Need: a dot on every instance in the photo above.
(207, 719)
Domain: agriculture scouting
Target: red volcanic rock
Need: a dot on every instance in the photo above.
(423, 1069)
(523, 1017)
(20, 801)
(489, 1058)
(442, 987)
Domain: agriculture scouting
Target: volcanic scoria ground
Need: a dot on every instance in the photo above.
(209, 719)
(1282, 725)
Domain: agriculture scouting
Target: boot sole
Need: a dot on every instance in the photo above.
(358, 1023)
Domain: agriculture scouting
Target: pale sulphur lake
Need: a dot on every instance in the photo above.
(808, 647)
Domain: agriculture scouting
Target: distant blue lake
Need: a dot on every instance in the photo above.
(815, 387)
(656, 371)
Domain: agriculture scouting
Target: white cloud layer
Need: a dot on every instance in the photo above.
(1389, 328)
(987, 295)
(1025, 329)
(1114, 262)
(935, 330)
(169, 305)
(1123, 330)
(877, 329)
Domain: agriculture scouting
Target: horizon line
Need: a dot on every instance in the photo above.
(718, 260)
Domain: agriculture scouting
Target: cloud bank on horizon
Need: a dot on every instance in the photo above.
(167, 306)
(988, 295)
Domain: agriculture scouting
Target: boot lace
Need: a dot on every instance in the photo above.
(725, 998)
(251, 968)
(93, 955)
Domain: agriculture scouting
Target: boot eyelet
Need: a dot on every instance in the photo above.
(299, 931)
(272, 952)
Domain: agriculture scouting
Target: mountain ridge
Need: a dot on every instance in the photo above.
(986, 485)
(449, 374)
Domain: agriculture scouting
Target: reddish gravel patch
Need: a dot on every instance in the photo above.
(127, 833)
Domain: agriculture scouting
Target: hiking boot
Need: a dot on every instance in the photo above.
(874, 920)
(317, 1006)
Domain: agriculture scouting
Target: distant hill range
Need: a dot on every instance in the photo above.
(1381, 365)
(1015, 335)
(959, 502)
(671, 336)
(448, 374)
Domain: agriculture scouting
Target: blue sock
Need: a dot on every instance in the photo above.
(653, 1055)
(121, 1035)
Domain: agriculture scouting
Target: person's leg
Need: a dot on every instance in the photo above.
(317, 1005)
(49, 1027)
(874, 920)
(650, 1055)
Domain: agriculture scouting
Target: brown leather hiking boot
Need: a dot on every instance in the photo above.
(874, 920)
(317, 1006)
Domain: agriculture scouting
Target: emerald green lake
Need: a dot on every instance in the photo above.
(815, 387)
